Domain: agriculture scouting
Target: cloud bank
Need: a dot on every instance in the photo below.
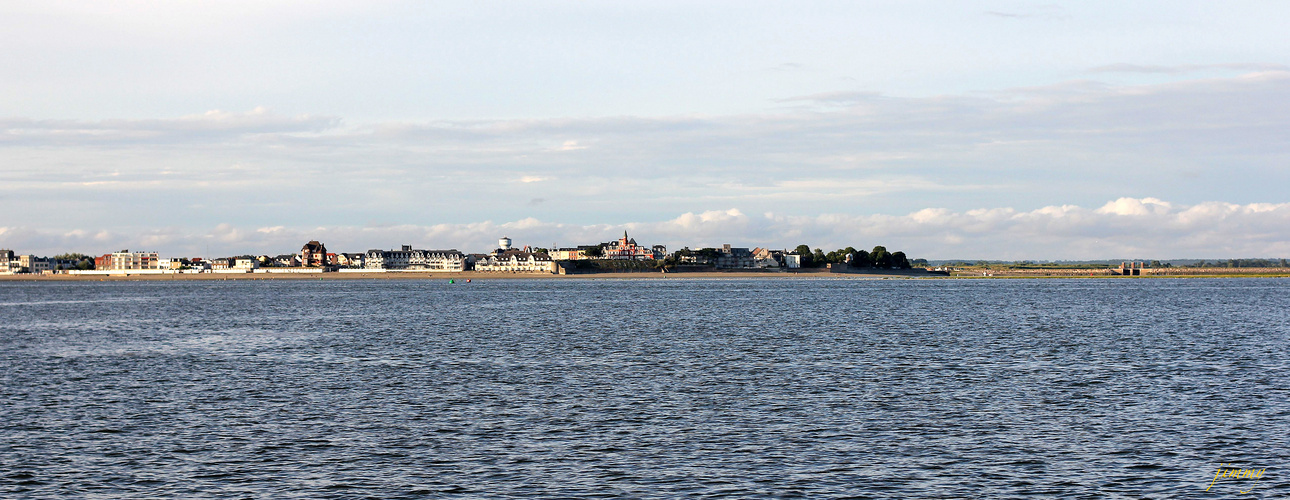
(1121, 228)
(830, 169)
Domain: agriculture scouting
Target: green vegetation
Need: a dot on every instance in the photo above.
(80, 261)
(878, 258)
(1115, 263)
(1242, 263)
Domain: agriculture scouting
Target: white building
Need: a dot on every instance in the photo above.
(411, 259)
(515, 261)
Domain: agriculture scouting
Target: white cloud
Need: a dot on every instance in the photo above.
(1131, 206)
(1133, 227)
(1073, 145)
(571, 146)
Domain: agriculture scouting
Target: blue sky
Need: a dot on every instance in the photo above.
(1053, 130)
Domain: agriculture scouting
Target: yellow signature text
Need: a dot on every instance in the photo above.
(1222, 473)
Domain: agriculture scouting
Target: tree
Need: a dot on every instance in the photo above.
(860, 258)
(880, 258)
(594, 252)
(818, 258)
(899, 261)
(835, 256)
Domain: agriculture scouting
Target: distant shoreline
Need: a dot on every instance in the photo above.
(457, 276)
(806, 274)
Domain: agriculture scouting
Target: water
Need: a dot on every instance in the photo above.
(643, 388)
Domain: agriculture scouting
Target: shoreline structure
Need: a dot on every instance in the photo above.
(968, 273)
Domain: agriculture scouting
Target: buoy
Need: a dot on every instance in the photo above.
(450, 282)
(467, 281)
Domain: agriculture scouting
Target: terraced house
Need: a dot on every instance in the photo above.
(410, 259)
(514, 261)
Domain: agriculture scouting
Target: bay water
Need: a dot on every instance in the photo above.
(649, 388)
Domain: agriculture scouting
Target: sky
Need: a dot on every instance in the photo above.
(973, 130)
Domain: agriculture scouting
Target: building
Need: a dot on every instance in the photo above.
(183, 263)
(350, 259)
(627, 249)
(410, 259)
(34, 264)
(126, 260)
(729, 257)
(246, 264)
(313, 254)
(286, 260)
(514, 261)
(571, 253)
(8, 262)
(767, 258)
(624, 248)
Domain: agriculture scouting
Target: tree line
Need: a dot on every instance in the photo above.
(1242, 263)
(878, 258)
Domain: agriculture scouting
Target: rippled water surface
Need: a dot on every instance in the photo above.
(644, 388)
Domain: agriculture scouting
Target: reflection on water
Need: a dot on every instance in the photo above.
(653, 388)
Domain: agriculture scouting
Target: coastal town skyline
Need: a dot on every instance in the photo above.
(622, 254)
